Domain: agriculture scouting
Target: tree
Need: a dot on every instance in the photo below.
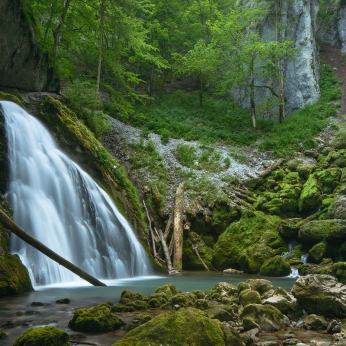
(100, 48)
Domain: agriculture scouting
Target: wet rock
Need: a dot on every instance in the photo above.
(336, 329)
(183, 327)
(46, 336)
(38, 304)
(331, 325)
(232, 271)
(63, 301)
(321, 294)
(98, 319)
(315, 322)
(290, 342)
(266, 316)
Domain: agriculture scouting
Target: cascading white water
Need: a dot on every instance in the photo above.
(62, 206)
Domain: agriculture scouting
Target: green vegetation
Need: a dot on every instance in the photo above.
(46, 336)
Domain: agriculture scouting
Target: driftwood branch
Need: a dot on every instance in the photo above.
(151, 230)
(19, 232)
(168, 226)
(178, 228)
(165, 251)
(195, 247)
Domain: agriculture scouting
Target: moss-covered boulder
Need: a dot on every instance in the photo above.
(14, 277)
(9, 97)
(222, 290)
(252, 258)
(185, 327)
(316, 231)
(318, 252)
(262, 286)
(288, 229)
(321, 294)
(282, 300)
(338, 270)
(276, 266)
(310, 198)
(184, 299)
(249, 296)
(162, 296)
(98, 319)
(266, 316)
(241, 235)
(315, 322)
(126, 296)
(168, 289)
(223, 313)
(190, 258)
(329, 179)
(46, 336)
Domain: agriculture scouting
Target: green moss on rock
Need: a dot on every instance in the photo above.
(241, 235)
(249, 296)
(318, 252)
(190, 258)
(185, 327)
(184, 299)
(276, 266)
(310, 197)
(9, 97)
(97, 319)
(46, 336)
(14, 277)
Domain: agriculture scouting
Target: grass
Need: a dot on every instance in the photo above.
(178, 115)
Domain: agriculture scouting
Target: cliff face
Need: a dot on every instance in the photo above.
(23, 65)
(297, 22)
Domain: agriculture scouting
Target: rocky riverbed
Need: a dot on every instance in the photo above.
(252, 313)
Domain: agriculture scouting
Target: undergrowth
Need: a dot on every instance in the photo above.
(178, 115)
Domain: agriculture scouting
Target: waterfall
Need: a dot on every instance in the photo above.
(63, 207)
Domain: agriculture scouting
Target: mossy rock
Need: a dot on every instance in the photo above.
(249, 296)
(199, 294)
(252, 258)
(288, 229)
(276, 266)
(243, 286)
(3, 335)
(190, 258)
(142, 318)
(223, 313)
(338, 270)
(169, 289)
(14, 277)
(138, 305)
(185, 327)
(318, 252)
(305, 170)
(122, 308)
(329, 179)
(262, 286)
(202, 304)
(184, 299)
(266, 316)
(98, 319)
(46, 336)
(127, 296)
(9, 97)
(316, 231)
(241, 235)
(222, 290)
(310, 198)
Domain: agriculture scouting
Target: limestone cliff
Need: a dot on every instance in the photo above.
(23, 64)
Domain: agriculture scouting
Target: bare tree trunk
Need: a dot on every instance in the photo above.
(100, 49)
(15, 229)
(281, 93)
(57, 31)
(195, 247)
(252, 98)
(165, 251)
(178, 228)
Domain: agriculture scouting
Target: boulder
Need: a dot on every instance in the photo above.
(315, 322)
(266, 316)
(184, 299)
(282, 300)
(276, 266)
(249, 296)
(288, 229)
(318, 252)
(316, 231)
(185, 327)
(321, 294)
(222, 313)
(97, 319)
(310, 198)
(222, 290)
(262, 286)
(46, 336)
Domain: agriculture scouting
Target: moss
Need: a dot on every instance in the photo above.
(199, 294)
(276, 266)
(252, 258)
(318, 251)
(190, 258)
(97, 319)
(315, 231)
(14, 277)
(223, 313)
(260, 285)
(142, 318)
(310, 197)
(337, 269)
(221, 290)
(46, 336)
(184, 299)
(329, 179)
(138, 305)
(202, 304)
(9, 97)
(122, 308)
(268, 317)
(241, 235)
(127, 296)
(74, 136)
(170, 289)
(249, 296)
(185, 327)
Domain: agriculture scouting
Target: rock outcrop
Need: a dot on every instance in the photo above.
(23, 64)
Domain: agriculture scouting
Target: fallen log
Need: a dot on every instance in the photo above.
(178, 228)
(165, 251)
(195, 247)
(19, 232)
